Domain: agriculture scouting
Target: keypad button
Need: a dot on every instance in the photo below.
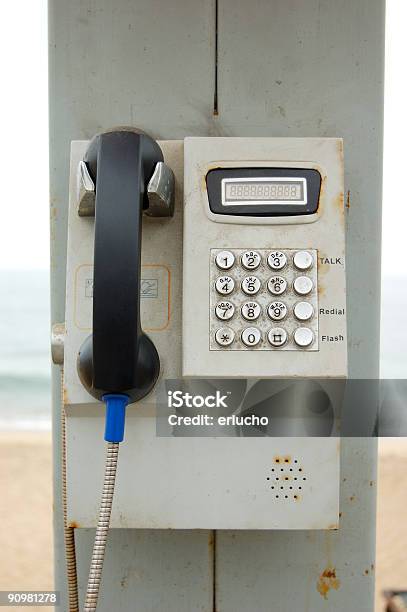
(303, 285)
(303, 337)
(277, 336)
(277, 311)
(251, 336)
(251, 285)
(303, 260)
(303, 311)
(225, 285)
(277, 285)
(251, 311)
(251, 260)
(225, 260)
(224, 310)
(276, 260)
(224, 336)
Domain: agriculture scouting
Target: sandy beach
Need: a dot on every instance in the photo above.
(26, 514)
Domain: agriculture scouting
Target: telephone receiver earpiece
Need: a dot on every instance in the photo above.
(122, 175)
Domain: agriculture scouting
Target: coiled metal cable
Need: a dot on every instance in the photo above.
(69, 534)
(96, 566)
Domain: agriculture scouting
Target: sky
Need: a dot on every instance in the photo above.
(24, 149)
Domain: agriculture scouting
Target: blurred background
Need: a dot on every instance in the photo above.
(25, 405)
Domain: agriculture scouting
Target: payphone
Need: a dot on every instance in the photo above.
(244, 282)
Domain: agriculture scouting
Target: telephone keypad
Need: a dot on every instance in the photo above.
(284, 310)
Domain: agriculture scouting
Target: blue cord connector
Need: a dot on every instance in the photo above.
(115, 416)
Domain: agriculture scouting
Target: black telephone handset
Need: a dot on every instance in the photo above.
(118, 357)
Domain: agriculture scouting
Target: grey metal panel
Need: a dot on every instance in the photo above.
(150, 64)
(314, 68)
(155, 571)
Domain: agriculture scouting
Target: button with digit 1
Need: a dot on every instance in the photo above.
(224, 310)
(251, 285)
(277, 311)
(224, 336)
(251, 260)
(277, 285)
(251, 311)
(251, 336)
(277, 260)
(225, 260)
(224, 285)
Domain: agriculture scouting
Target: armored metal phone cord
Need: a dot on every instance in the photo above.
(114, 433)
(69, 534)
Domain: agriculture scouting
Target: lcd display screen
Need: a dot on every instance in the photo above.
(263, 191)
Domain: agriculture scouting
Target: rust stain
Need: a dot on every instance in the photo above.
(340, 515)
(287, 459)
(73, 525)
(278, 459)
(327, 581)
(348, 199)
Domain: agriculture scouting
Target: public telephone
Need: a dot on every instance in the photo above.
(242, 280)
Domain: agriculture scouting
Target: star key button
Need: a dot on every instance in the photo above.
(224, 336)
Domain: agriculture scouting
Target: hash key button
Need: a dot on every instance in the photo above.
(277, 336)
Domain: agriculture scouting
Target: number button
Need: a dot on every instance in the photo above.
(251, 260)
(225, 260)
(303, 285)
(251, 336)
(251, 285)
(277, 336)
(224, 336)
(277, 285)
(303, 260)
(303, 337)
(277, 311)
(251, 311)
(303, 311)
(224, 310)
(276, 260)
(225, 285)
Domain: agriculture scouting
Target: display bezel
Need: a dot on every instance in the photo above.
(273, 209)
(264, 179)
